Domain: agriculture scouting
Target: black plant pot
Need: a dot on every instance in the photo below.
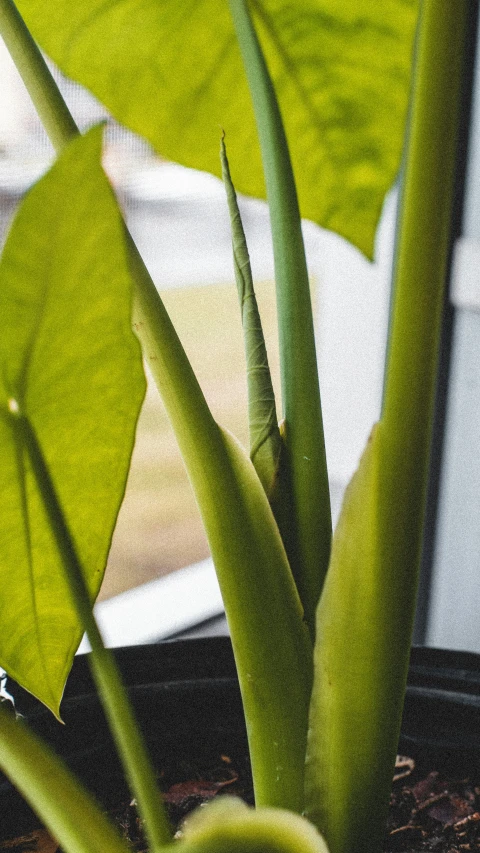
(187, 701)
(441, 718)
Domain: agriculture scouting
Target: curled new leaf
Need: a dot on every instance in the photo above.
(309, 520)
(265, 440)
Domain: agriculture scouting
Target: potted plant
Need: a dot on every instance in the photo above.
(338, 639)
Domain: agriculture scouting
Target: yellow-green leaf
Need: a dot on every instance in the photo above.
(172, 72)
(70, 362)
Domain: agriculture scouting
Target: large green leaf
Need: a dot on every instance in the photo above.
(171, 71)
(69, 360)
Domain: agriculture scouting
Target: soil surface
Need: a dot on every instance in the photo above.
(431, 811)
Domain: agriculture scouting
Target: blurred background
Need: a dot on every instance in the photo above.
(159, 580)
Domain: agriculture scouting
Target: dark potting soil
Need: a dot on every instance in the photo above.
(431, 811)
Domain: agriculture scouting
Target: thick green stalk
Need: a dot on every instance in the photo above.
(420, 277)
(272, 650)
(71, 814)
(423, 245)
(367, 606)
(304, 439)
(107, 678)
(423, 239)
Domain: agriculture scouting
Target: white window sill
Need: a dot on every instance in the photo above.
(160, 608)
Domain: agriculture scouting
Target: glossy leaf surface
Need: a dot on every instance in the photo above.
(70, 361)
(172, 72)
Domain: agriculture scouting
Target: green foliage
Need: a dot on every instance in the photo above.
(126, 734)
(340, 68)
(270, 639)
(340, 74)
(267, 447)
(65, 290)
(269, 636)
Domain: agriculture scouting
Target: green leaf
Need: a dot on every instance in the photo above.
(172, 72)
(69, 812)
(268, 450)
(126, 734)
(269, 636)
(70, 361)
(227, 824)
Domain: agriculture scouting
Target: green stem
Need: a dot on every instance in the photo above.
(420, 274)
(423, 244)
(107, 678)
(71, 814)
(270, 642)
(38, 80)
(366, 611)
(299, 374)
